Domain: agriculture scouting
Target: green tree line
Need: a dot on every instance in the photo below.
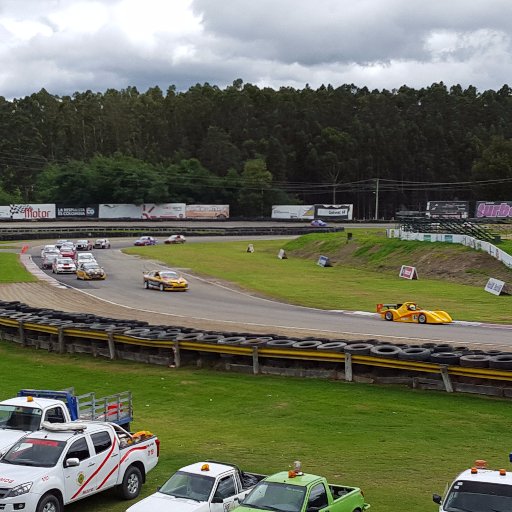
(252, 147)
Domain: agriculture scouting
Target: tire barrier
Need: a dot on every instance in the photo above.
(449, 358)
(362, 349)
(415, 354)
(386, 351)
(165, 344)
(501, 362)
(475, 361)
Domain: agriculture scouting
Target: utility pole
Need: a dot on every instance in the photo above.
(376, 198)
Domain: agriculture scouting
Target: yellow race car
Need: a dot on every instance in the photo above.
(165, 280)
(89, 270)
(411, 312)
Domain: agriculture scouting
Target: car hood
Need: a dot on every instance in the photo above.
(9, 437)
(164, 503)
(11, 476)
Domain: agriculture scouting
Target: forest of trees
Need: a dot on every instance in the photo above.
(251, 147)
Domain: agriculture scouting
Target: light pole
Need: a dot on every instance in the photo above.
(376, 198)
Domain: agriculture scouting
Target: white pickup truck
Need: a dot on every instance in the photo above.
(201, 487)
(26, 412)
(62, 463)
(477, 489)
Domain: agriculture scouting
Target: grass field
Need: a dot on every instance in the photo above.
(12, 271)
(399, 445)
(299, 280)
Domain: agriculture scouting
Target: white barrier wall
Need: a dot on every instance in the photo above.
(468, 241)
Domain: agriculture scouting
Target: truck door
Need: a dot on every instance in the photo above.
(318, 499)
(225, 497)
(78, 480)
(106, 457)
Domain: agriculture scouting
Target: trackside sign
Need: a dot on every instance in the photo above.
(494, 209)
(495, 286)
(408, 272)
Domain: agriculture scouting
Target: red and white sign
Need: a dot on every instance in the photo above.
(408, 272)
(32, 211)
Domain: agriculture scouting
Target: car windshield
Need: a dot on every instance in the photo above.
(276, 496)
(90, 266)
(467, 496)
(20, 418)
(64, 261)
(188, 485)
(41, 453)
(169, 275)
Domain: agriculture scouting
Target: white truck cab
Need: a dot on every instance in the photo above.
(477, 489)
(201, 487)
(63, 463)
(27, 411)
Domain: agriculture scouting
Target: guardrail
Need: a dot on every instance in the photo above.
(44, 232)
(175, 346)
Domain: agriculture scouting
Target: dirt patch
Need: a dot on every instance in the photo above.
(452, 263)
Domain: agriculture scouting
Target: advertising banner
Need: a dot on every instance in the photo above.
(494, 286)
(164, 211)
(447, 209)
(408, 272)
(334, 212)
(32, 211)
(120, 211)
(207, 211)
(494, 209)
(89, 211)
(293, 211)
(5, 212)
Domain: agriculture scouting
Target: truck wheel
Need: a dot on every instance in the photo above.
(132, 482)
(49, 503)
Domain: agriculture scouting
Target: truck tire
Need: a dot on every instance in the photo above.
(132, 482)
(49, 503)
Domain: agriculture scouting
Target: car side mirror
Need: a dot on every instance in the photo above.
(73, 462)
(437, 499)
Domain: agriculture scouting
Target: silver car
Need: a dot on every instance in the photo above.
(63, 266)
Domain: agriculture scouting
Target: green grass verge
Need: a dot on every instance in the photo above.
(12, 271)
(398, 444)
(299, 280)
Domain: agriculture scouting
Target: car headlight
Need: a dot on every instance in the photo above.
(19, 490)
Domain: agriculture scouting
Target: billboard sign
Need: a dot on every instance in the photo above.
(293, 211)
(32, 211)
(334, 212)
(494, 209)
(89, 211)
(408, 272)
(494, 286)
(207, 211)
(164, 211)
(5, 212)
(447, 209)
(120, 211)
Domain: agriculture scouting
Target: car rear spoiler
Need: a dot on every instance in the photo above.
(380, 307)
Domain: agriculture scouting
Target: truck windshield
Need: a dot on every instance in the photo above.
(276, 496)
(467, 496)
(189, 485)
(20, 418)
(41, 453)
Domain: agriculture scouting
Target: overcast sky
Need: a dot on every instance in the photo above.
(67, 46)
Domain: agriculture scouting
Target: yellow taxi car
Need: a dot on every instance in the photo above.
(89, 270)
(165, 280)
(411, 312)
